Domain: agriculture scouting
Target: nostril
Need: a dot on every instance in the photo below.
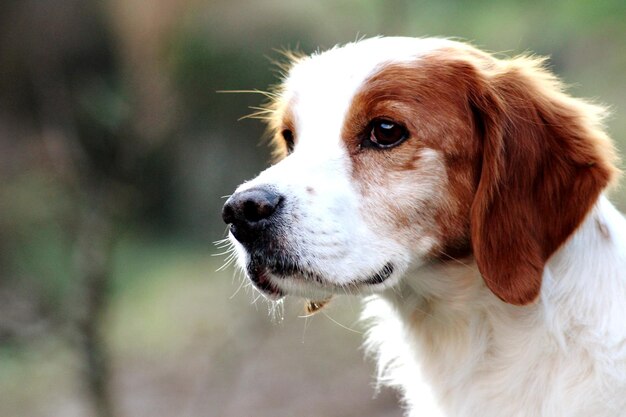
(251, 206)
(259, 208)
(228, 213)
(254, 210)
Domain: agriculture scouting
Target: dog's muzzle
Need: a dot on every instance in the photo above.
(259, 219)
(254, 217)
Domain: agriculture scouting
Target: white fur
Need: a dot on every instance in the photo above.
(563, 356)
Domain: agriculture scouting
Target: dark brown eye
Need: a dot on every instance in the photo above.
(288, 137)
(385, 133)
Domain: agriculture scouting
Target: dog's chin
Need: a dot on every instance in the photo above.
(275, 282)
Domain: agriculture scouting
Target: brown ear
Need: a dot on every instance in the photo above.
(545, 161)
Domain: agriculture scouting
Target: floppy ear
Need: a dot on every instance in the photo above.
(545, 161)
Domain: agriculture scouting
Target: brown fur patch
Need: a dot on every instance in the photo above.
(278, 109)
(426, 97)
(545, 161)
(281, 119)
(524, 161)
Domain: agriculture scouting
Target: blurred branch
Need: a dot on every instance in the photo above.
(93, 255)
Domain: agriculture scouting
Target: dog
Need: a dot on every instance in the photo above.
(464, 196)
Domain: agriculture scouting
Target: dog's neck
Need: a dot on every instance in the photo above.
(460, 331)
(590, 263)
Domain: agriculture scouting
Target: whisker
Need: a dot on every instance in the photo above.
(256, 115)
(229, 251)
(276, 311)
(262, 109)
(225, 245)
(343, 326)
(267, 94)
(242, 284)
(227, 263)
(458, 261)
(305, 328)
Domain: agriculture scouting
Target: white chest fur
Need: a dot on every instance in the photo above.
(565, 355)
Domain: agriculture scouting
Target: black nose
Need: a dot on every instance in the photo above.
(247, 212)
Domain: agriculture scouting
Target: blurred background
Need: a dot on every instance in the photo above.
(115, 152)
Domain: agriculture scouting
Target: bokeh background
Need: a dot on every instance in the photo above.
(115, 152)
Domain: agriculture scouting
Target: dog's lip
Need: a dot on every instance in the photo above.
(381, 276)
(267, 277)
(260, 277)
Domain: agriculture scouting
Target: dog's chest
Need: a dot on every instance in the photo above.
(506, 362)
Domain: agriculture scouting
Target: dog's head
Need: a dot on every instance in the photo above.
(402, 152)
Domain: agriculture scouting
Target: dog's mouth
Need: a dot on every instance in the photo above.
(270, 278)
(260, 277)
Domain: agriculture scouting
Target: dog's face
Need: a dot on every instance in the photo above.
(394, 156)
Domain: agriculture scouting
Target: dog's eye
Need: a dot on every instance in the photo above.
(385, 133)
(289, 140)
